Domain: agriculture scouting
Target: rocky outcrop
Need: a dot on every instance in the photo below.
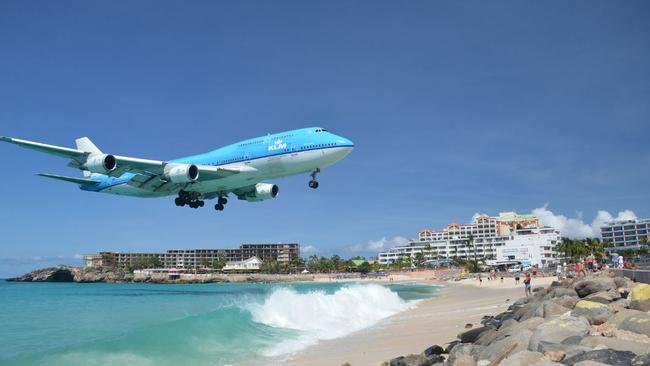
(598, 320)
(73, 274)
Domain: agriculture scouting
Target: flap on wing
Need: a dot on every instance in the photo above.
(82, 181)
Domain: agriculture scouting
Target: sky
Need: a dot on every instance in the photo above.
(455, 108)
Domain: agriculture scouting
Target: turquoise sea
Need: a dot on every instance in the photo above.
(209, 324)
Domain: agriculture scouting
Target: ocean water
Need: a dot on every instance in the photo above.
(209, 324)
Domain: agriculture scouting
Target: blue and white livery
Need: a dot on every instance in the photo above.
(239, 168)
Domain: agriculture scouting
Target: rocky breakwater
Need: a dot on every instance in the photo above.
(73, 274)
(598, 320)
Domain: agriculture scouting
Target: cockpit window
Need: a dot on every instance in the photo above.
(320, 130)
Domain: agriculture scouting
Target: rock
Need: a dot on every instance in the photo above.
(566, 301)
(468, 325)
(640, 297)
(596, 312)
(433, 350)
(641, 360)
(554, 356)
(573, 340)
(451, 346)
(623, 282)
(498, 350)
(569, 350)
(463, 354)
(522, 358)
(593, 285)
(561, 291)
(507, 323)
(516, 328)
(472, 335)
(415, 360)
(487, 337)
(619, 305)
(639, 323)
(604, 297)
(606, 356)
(551, 308)
(619, 317)
(616, 344)
(590, 363)
(558, 329)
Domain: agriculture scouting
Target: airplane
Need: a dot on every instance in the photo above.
(239, 168)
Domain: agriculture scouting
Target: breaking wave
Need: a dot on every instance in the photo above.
(318, 315)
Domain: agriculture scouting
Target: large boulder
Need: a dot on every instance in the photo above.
(553, 350)
(514, 329)
(597, 313)
(640, 297)
(593, 285)
(523, 358)
(606, 356)
(558, 329)
(561, 291)
(550, 308)
(639, 323)
(615, 344)
(604, 297)
(464, 354)
(618, 318)
(498, 350)
(566, 301)
(416, 360)
(472, 335)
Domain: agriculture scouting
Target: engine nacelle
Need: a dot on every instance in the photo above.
(100, 163)
(181, 173)
(263, 191)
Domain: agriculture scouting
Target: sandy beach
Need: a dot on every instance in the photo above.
(434, 321)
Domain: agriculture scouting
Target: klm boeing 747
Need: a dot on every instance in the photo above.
(239, 168)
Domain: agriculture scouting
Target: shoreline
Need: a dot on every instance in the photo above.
(437, 320)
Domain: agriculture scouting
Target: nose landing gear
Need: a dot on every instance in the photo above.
(221, 203)
(313, 183)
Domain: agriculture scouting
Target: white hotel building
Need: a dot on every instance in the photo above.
(507, 237)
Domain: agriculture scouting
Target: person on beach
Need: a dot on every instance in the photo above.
(517, 278)
(580, 268)
(558, 272)
(527, 285)
(480, 280)
(502, 279)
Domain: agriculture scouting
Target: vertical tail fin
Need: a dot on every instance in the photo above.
(84, 144)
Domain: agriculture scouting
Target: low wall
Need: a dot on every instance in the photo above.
(640, 275)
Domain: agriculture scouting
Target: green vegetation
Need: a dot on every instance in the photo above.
(576, 249)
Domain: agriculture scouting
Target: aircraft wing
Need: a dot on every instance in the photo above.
(148, 174)
(65, 152)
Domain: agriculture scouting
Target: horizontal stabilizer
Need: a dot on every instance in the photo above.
(82, 181)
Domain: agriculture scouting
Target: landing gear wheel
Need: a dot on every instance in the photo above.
(194, 204)
(201, 203)
(223, 200)
(219, 207)
(313, 183)
(179, 201)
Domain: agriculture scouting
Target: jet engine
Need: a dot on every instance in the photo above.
(181, 173)
(100, 163)
(263, 191)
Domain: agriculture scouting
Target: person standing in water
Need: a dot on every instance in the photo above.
(527, 285)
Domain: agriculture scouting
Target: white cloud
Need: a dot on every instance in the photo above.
(376, 246)
(308, 249)
(577, 227)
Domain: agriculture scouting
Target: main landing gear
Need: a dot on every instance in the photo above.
(193, 200)
(221, 204)
(313, 183)
(188, 198)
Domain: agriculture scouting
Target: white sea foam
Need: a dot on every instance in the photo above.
(319, 316)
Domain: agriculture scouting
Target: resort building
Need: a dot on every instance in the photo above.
(509, 236)
(252, 264)
(194, 258)
(626, 234)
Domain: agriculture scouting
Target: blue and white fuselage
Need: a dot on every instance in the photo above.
(238, 168)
